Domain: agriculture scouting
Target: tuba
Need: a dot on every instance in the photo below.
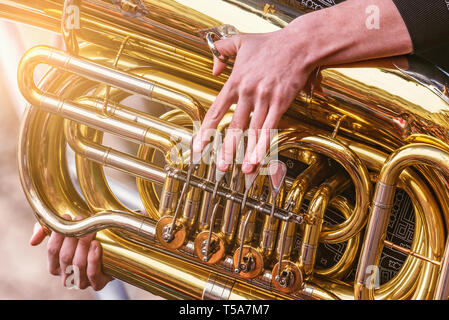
(359, 208)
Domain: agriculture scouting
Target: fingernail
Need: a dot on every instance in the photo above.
(222, 165)
(247, 167)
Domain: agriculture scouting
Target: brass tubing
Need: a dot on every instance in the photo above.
(409, 252)
(107, 219)
(315, 215)
(429, 232)
(354, 167)
(110, 157)
(122, 259)
(232, 209)
(166, 203)
(157, 125)
(268, 238)
(287, 242)
(148, 264)
(314, 173)
(267, 243)
(126, 163)
(93, 71)
(192, 204)
(412, 154)
(206, 208)
(134, 132)
(207, 201)
(131, 131)
(345, 264)
(69, 34)
(186, 280)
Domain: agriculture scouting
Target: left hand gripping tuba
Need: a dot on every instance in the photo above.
(363, 210)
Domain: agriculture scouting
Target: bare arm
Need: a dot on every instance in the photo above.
(270, 69)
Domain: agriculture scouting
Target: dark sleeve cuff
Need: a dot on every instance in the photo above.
(427, 22)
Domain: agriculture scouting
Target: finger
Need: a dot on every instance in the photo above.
(53, 250)
(234, 134)
(224, 100)
(66, 257)
(38, 234)
(80, 258)
(228, 48)
(97, 278)
(256, 123)
(266, 134)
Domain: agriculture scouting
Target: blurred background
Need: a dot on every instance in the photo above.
(23, 271)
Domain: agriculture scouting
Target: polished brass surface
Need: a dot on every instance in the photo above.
(365, 124)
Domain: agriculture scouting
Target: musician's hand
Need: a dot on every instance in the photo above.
(84, 253)
(269, 71)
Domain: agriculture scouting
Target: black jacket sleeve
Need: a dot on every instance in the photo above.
(427, 22)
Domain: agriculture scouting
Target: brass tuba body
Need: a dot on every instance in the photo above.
(364, 210)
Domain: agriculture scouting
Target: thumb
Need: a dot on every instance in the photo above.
(38, 235)
(228, 48)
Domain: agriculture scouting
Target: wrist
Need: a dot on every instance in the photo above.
(307, 36)
(342, 33)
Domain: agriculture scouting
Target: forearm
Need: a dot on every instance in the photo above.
(351, 32)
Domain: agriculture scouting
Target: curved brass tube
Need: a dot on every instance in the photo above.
(96, 72)
(121, 258)
(312, 229)
(163, 58)
(108, 219)
(110, 157)
(356, 170)
(344, 265)
(415, 153)
(360, 154)
(313, 174)
(429, 232)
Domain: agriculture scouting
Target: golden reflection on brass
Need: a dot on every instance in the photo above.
(392, 132)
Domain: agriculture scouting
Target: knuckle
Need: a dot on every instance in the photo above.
(92, 275)
(246, 89)
(53, 251)
(214, 114)
(264, 90)
(238, 39)
(66, 259)
(234, 128)
(229, 88)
